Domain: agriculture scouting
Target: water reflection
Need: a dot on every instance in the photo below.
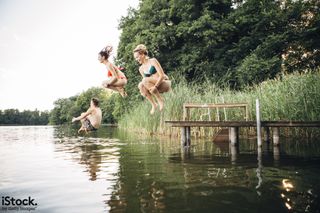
(115, 171)
(91, 158)
(99, 158)
(259, 170)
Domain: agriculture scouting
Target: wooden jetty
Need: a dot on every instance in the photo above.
(233, 126)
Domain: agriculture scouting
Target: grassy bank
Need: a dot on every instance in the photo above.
(291, 97)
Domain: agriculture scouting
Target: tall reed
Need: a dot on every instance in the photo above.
(291, 97)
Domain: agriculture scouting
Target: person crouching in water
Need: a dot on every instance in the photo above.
(154, 81)
(116, 79)
(91, 119)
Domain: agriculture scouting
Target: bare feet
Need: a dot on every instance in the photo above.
(161, 105)
(153, 109)
(123, 93)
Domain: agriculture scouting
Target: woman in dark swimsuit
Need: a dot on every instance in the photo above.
(154, 81)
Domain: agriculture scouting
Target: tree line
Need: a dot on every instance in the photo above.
(26, 117)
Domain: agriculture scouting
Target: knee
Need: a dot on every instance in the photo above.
(142, 89)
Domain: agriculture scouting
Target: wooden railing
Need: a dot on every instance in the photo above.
(188, 106)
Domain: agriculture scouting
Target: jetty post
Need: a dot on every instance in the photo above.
(259, 139)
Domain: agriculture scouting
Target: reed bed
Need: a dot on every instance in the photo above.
(291, 97)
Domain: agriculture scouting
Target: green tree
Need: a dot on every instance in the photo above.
(61, 111)
(65, 109)
(216, 40)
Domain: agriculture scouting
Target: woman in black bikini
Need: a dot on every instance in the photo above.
(154, 81)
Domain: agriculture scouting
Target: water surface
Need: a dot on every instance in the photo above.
(115, 171)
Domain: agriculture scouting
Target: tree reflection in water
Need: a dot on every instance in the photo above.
(154, 175)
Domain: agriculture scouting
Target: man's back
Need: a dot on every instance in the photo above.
(96, 117)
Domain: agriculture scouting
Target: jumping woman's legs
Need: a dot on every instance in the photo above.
(117, 86)
(149, 83)
(144, 92)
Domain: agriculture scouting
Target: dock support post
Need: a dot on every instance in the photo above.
(188, 135)
(233, 135)
(259, 140)
(185, 136)
(234, 151)
(276, 153)
(267, 134)
(275, 135)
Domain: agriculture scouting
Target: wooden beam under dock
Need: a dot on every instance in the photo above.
(234, 128)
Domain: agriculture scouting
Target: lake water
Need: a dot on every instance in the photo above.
(52, 169)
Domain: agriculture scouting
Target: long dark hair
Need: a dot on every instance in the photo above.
(106, 52)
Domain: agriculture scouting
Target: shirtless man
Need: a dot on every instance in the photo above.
(90, 120)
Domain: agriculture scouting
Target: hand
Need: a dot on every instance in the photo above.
(152, 89)
(74, 119)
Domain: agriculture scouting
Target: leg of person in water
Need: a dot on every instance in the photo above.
(82, 128)
(144, 92)
(149, 83)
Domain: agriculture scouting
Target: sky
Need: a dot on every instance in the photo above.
(49, 48)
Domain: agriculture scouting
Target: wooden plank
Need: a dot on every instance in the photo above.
(193, 105)
(243, 123)
(210, 123)
(290, 123)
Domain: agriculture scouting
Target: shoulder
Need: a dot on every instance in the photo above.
(94, 109)
(109, 65)
(153, 60)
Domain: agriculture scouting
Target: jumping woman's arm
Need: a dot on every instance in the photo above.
(160, 71)
(141, 72)
(114, 73)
